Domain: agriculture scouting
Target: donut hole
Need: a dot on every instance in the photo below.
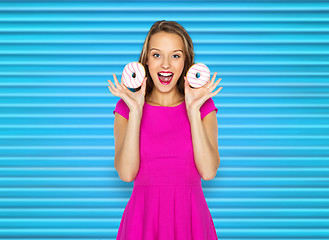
(197, 75)
(133, 74)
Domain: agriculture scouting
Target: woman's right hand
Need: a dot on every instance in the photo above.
(134, 100)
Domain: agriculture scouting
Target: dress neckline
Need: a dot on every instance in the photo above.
(166, 106)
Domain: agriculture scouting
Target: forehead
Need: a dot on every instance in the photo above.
(166, 41)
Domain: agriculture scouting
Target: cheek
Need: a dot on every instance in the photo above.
(181, 63)
(152, 67)
(180, 67)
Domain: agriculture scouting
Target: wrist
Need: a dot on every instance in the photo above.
(136, 112)
(192, 113)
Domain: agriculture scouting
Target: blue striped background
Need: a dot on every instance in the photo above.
(57, 176)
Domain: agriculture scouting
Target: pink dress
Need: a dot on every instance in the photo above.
(167, 200)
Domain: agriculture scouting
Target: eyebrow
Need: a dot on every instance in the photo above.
(160, 50)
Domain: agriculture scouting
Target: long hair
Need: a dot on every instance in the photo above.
(169, 27)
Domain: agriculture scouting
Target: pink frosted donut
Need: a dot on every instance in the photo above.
(133, 75)
(198, 75)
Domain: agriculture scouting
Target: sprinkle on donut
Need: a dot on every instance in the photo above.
(133, 75)
(198, 75)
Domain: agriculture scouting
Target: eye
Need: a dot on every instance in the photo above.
(177, 55)
(155, 54)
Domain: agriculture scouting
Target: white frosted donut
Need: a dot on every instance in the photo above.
(133, 75)
(198, 75)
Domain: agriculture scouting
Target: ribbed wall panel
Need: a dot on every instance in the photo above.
(57, 176)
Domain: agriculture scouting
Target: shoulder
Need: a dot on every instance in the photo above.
(207, 107)
(122, 108)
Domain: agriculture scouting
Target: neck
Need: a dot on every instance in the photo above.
(165, 99)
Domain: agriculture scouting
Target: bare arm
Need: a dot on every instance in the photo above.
(126, 132)
(127, 158)
(205, 145)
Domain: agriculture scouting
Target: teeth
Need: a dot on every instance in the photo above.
(165, 74)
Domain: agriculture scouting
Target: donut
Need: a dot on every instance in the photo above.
(198, 75)
(133, 75)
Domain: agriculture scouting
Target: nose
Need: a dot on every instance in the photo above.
(165, 64)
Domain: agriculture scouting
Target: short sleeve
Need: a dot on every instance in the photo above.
(122, 108)
(207, 107)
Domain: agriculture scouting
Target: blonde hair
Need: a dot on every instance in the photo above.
(169, 27)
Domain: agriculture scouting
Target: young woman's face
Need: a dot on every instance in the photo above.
(165, 55)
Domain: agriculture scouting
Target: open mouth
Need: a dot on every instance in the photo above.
(165, 78)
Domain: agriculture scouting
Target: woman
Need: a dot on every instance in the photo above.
(166, 141)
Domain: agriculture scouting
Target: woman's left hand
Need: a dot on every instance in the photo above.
(195, 97)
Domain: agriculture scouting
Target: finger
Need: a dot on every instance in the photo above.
(115, 90)
(112, 91)
(186, 83)
(216, 84)
(213, 78)
(210, 83)
(217, 91)
(119, 86)
(112, 85)
(144, 83)
(124, 86)
(143, 88)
